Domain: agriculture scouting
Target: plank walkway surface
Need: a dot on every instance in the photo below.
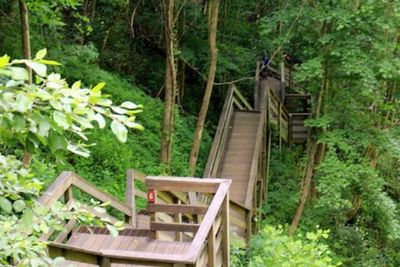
(237, 159)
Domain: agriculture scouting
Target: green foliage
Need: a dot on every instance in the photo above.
(42, 114)
(109, 158)
(272, 247)
(46, 115)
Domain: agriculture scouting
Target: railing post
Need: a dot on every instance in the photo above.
(257, 87)
(178, 219)
(290, 130)
(68, 194)
(212, 260)
(280, 124)
(130, 197)
(104, 262)
(249, 222)
(225, 232)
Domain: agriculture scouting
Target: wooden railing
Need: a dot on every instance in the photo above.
(233, 99)
(278, 115)
(62, 188)
(209, 245)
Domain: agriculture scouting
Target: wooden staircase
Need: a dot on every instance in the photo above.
(192, 221)
(236, 164)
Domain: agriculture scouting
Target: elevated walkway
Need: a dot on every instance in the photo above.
(189, 221)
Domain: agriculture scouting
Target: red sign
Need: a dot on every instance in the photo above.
(151, 196)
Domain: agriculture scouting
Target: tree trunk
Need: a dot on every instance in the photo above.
(26, 50)
(170, 86)
(212, 7)
(25, 34)
(315, 155)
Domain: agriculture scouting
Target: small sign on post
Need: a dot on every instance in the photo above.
(151, 196)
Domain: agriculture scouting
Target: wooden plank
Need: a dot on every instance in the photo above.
(211, 246)
(241, 97)
(57, 189)
(105, 216)
(182, 184)
(177, 208)
(254, 161)
(66, 231)
(238, 222)
(120, 256)
(223, 121)
(237, 104)
(225, 231)
(174, 227)
(90, 189)
(130, 196)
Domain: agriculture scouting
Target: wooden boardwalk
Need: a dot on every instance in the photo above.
(189, 221)
(236, 164)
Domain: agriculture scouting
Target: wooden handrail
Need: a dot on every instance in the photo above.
(68, 179)
(220, 196)
(233, 96)
(221, 130)
(255, 159)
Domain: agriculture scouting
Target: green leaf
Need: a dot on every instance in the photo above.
(41, 54)
(19, 205)
(78, 150)
(49, 62)
(18, 73)
(4, 60)
(96, 91)
(5, 205)
(113, 231)
(58, 261)
(85, 123)
(76, 85)
(19, 123)
(23, 103)
(61, 119)
(27, 217)
(37, 67)
(100, 120)
(130, 105)
(134, 125)
(119, 130)
(57, 142)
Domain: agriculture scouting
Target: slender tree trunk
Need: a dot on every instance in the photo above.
(315, 155)
(26, 49)
(25, 34)
(170, 86)
(212, 7)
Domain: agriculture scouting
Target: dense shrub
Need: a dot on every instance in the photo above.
(272, 247)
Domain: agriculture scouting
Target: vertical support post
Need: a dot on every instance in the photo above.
(225, 232)
(130, 197)
(178, 219)
(249, 230)
(104, 262)
(283, 81)
(290, 130)
(68, 194)
(280, 124)
(212, 259)
(257, 91)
